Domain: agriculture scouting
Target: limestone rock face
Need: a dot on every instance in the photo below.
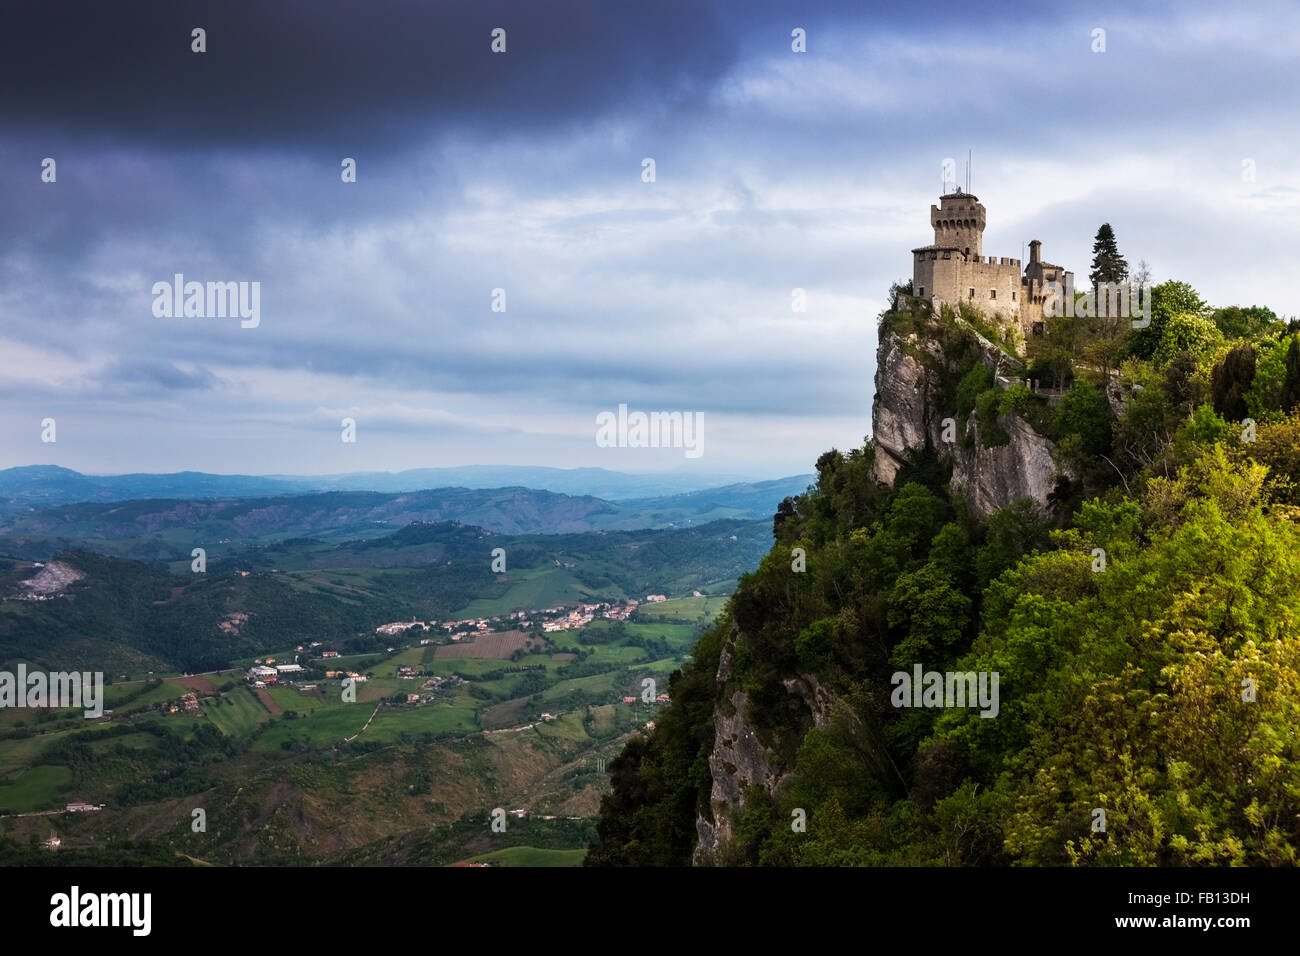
(906, 418)
(740, 760)
(904, 400)
(992, 478)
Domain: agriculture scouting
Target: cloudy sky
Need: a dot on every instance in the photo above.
(522, 171)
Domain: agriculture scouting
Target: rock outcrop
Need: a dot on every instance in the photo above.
(739, 759)
(907, 418)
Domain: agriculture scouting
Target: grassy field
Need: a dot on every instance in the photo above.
(530, 856)
(325, 725)
(236, 713)
(290, 698)
(531, 588)
(687, 609)
(36, 789)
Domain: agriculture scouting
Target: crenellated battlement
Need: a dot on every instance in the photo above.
(954, 269)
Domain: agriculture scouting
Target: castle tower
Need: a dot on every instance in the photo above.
(954, 270)
(958, 223)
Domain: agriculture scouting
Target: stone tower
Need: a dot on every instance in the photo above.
(958, 223)
(954, 270)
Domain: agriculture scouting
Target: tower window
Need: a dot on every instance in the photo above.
(972, 293)
(922, 290)
(1013, 297)
(993, 293)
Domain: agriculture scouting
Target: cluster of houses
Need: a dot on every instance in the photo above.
(439, 683)
(189, 703)
(551, 619)
(584, 614)
(432, 684)
(457, 629)
(344, 675)
(661, 699)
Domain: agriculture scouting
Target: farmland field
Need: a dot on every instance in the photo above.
(530, 856)
(236, 713)
(492, 646)
(308, 777)
(36, 789)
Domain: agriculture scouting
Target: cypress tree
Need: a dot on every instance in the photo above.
(1291, 384)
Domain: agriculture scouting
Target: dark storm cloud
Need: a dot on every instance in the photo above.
(301, 72)
(522, 171)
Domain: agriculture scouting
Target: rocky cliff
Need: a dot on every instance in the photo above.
(916, 368)
(908, 416)
(739, 759)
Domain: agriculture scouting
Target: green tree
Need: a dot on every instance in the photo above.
(1291, 384)
(1107, 264)
(1167, 300)
(1245, 322)
(1231, 380)
(1187, 332)
(1085, 412)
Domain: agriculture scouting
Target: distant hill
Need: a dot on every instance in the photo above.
(122, 615)
(41, 486)
(159, 528)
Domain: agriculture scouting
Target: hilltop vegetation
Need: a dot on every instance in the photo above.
(1143, 625)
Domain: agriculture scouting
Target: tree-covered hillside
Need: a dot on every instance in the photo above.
(1144, 625)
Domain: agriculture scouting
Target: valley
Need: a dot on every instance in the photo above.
(326, 699)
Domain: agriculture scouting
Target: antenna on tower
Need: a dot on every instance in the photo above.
(968, 159)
